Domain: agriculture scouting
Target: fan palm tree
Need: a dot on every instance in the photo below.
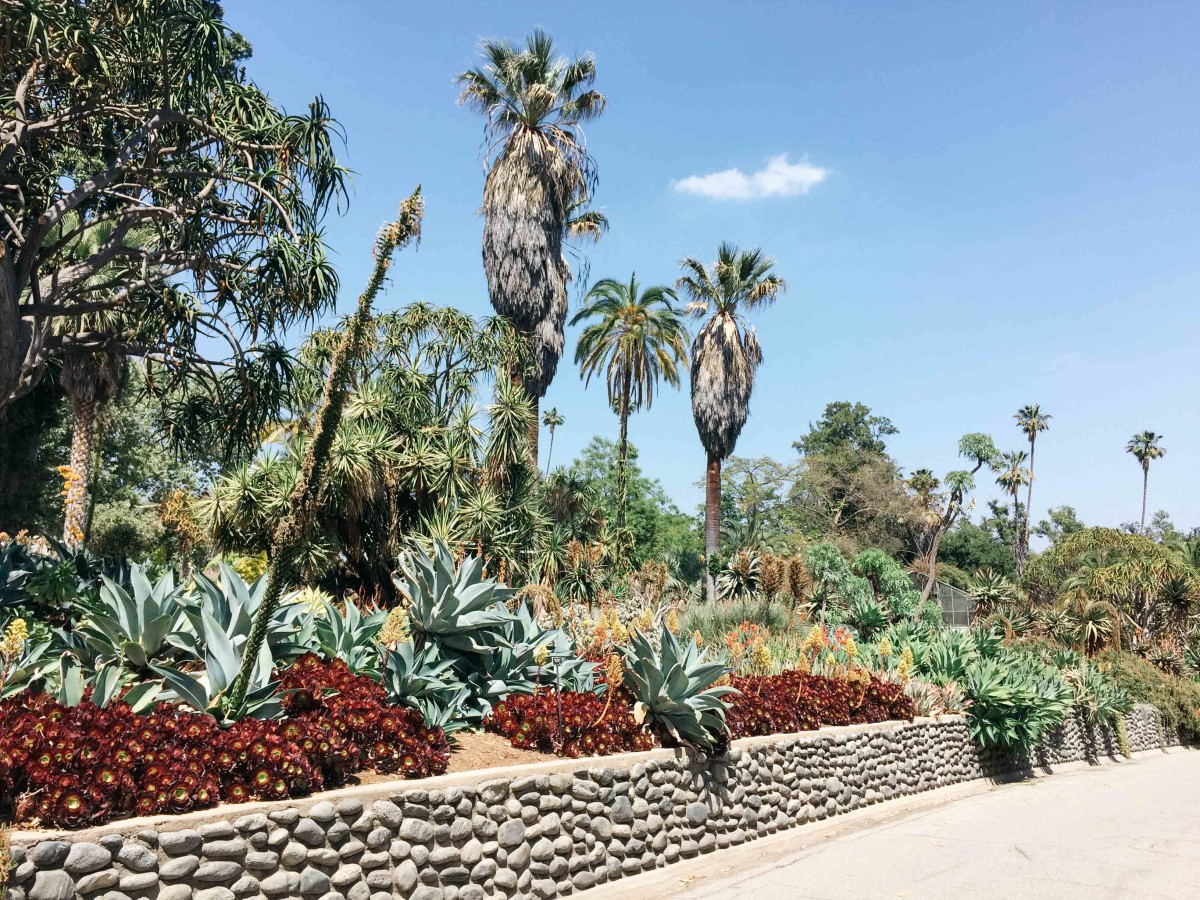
(551, 419)
(725, 358)
(1145, 448)
(636, 338)
(1014, 476)
(535, 103)
(1032, 421)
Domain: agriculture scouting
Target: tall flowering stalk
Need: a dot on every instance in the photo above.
(295, 529)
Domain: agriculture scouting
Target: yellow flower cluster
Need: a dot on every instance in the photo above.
(885, 647)
(541, 656)
(14, 639)
(644, 621)
(614, 671)
(851, 648)
(906, 663)
(815, 642)
(698, 638)
(672, 621)
(760, 657)
(395, 628)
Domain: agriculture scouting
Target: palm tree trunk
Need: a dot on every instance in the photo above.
(1145, 487)
(1018, 539)
(712, 520)
(623, 451)
(550, 451)
(75, 509)
(1028, 505)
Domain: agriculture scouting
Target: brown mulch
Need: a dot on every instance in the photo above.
(483, 750)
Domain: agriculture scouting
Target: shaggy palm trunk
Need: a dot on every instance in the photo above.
(623, 451)
(78, 497)
(294, 531)
(1145, 487)
(712, 521)
(534, 434)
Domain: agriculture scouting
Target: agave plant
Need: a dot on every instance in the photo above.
(867, 617)
(672, 685)
(232, 604)
(138, 628)
(209, 691)
(453, 606)
(424, 680)
(350, 635)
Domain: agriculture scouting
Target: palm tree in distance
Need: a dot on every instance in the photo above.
(539, 172)
(551, 419)
(1032, 421)
(636, 337)
(1013, 476)
(725, 358)
(1145, 448)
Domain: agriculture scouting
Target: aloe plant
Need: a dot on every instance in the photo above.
(138, 628)
(453, 606)
(673, 686)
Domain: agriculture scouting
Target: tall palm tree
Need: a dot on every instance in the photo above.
(539, 171)
(1032, 421)
(1145, 448)
(551, 419)
(638, 337)
(725, 358)
(1013, 476)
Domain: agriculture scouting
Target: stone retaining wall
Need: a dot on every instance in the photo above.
(543, 831)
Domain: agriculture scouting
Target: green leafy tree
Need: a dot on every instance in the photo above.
(1145, 448)
(535, 104)
(294, 531)
(725, 358)
(1032, 421)
(1062, 523)
(635, 338)
(939, 503)
(846, 428)
(125, 117)
(754, 510)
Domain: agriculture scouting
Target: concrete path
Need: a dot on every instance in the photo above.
(1129, 830)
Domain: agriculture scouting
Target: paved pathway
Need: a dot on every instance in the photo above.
(1115, 831)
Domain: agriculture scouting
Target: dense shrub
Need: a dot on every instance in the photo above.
(1177, 699)
(795, 701)
(591, 726)
(72, 766)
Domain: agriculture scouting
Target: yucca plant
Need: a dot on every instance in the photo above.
(673, 686)
(867, 617)
(453, 606)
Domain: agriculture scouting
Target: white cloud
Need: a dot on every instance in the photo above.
(778, 178)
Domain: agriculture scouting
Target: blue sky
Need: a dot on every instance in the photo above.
(1000, 208)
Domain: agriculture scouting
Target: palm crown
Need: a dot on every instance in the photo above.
(726, 352)
(534, 102)
(638, 337)
(1032, 421)
(1145, 448)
